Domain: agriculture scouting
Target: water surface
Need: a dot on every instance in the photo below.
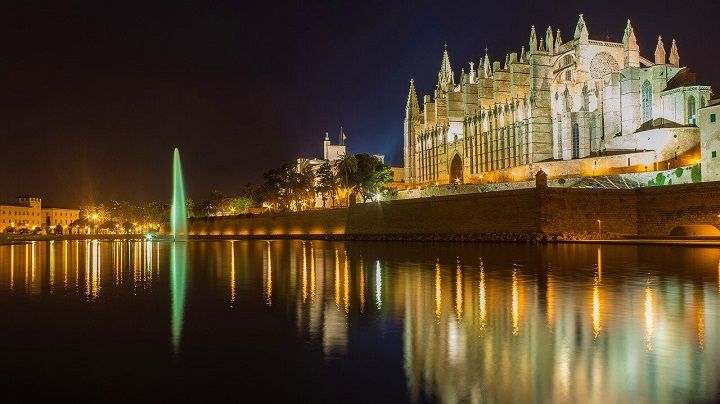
(359, 322)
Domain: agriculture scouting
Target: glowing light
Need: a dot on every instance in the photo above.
(515, 308)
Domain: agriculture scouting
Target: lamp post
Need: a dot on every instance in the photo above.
(599, 227)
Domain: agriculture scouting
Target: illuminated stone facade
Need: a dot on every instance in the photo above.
(28, 213)
(556, 101)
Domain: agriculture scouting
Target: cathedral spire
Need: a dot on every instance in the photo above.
(533, 40)
(581, 31)
(522, 54)
(674, 55)
(486, 65)
(630, 46)
(445, 75)
(549, 41)
(412, 102)
(660, 52)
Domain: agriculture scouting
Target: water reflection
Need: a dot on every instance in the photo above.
(456, 322)
(178, 285)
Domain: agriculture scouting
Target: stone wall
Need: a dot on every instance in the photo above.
(503, 211)
(578, 210)
(644, 211)
(662, 208)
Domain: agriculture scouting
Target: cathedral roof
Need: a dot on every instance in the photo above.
(683, 78)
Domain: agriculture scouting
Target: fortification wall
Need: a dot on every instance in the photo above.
(643, 211)
(504, 211)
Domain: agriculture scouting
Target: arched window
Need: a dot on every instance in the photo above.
(692, 111)
(646, 101)
(575, 141)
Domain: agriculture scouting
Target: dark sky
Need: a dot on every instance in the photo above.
(96, 94)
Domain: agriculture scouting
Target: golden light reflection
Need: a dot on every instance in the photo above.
(458, 291)
(232, 272)
(482, 298)
(312, 272)
(596, 308)
(51, 263)
(346, 285)
(515, 310)
(550, 295)
(378, 285)
(337, 280)
(599, 263)
(32, 261)
(65, 264)
(268, 276)
(701, 327)
(12, 267)
(362, 285)
(304, 273)
(438, 291)
(649, 317)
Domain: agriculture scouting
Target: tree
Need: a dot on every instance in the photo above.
(371, 176)
(347, 168)
(327, 182)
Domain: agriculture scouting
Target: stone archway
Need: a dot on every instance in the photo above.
(456, 170)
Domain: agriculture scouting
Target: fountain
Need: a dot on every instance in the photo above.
(178, 258)
(178, 215)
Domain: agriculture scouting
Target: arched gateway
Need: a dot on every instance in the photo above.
(456, 170)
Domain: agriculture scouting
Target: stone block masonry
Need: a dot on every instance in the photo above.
(521, 214)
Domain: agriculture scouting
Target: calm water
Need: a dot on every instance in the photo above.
(364, 322)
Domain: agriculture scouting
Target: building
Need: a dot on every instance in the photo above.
(710, 140)
(576, 107)
(29, 214)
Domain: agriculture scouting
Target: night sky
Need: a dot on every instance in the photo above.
(96, 94)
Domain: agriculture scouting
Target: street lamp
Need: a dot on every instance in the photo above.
(599, 227)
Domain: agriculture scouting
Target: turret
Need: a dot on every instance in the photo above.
(674, 55)
(660, 52)
(581, 31)
(558, 41)
(412, 117)
(533, 40)
(549, 41)
(630, 46)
